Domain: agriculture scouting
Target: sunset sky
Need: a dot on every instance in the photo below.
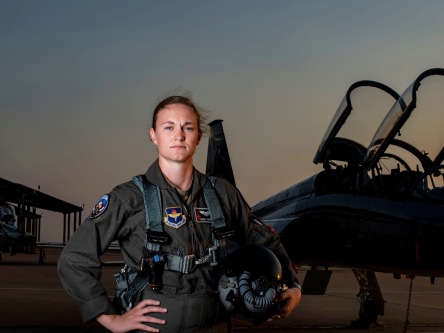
(79, 80)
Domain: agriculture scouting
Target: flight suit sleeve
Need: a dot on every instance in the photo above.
(79, 265)
(251, 230)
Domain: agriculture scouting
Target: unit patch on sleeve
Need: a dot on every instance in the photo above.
(100, 207)
(202, 215)
(174, 217)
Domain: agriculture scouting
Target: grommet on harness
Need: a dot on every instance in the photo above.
(249, 287)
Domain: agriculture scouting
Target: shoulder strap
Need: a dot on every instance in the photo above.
(220, 232)
(213, 204)
(153, 209)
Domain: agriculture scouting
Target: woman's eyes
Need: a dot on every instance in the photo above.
(188, 128)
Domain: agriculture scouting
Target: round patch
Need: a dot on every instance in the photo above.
(100, 207)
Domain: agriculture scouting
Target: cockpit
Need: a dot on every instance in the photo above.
(385, 145)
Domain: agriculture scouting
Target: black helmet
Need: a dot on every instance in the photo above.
(251, 283)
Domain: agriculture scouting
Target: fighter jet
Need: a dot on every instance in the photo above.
(378, 203)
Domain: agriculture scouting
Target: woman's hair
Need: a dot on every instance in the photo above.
(201, 114)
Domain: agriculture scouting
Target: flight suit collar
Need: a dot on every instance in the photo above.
(155, 176)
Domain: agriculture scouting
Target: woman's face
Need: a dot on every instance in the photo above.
(177, 133)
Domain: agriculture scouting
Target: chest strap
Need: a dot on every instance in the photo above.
(157, 236)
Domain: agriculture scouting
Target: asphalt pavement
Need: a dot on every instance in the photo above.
(32, 300)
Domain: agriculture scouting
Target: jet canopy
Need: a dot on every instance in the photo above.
(354, 123)
(373, 123)
(415, 123)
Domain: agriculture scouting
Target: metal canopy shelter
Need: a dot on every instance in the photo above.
(28, 200)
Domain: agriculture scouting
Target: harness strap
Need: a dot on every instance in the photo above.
(129, 284)
(156, 234)
(153, 210)
(213, 204)
(217, 216)
(188, 263)
(139, 283)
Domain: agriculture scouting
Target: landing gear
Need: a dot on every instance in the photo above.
(370, 299)
(368, 311)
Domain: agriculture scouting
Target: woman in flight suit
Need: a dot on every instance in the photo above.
(186, 302)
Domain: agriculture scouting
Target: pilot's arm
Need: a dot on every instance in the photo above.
(79, 265)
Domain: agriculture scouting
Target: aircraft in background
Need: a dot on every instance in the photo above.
(378, 203)
(11, 238)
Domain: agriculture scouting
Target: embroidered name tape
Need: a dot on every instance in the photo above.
(202, 215)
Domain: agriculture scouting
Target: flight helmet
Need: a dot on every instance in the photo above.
(250, 283)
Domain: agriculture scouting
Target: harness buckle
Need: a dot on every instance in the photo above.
(212, 258)
(188, 263)
(203, 260)
(213, 253)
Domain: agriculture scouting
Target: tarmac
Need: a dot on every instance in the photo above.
(32, 300)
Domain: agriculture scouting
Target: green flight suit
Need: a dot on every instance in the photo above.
(191, 299)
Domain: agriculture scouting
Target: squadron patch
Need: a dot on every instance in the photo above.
(174, 217)
(100, 207)
(202, 215)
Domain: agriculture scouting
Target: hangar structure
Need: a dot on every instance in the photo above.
(26, 200)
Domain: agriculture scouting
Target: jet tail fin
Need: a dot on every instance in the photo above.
(218, 158)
